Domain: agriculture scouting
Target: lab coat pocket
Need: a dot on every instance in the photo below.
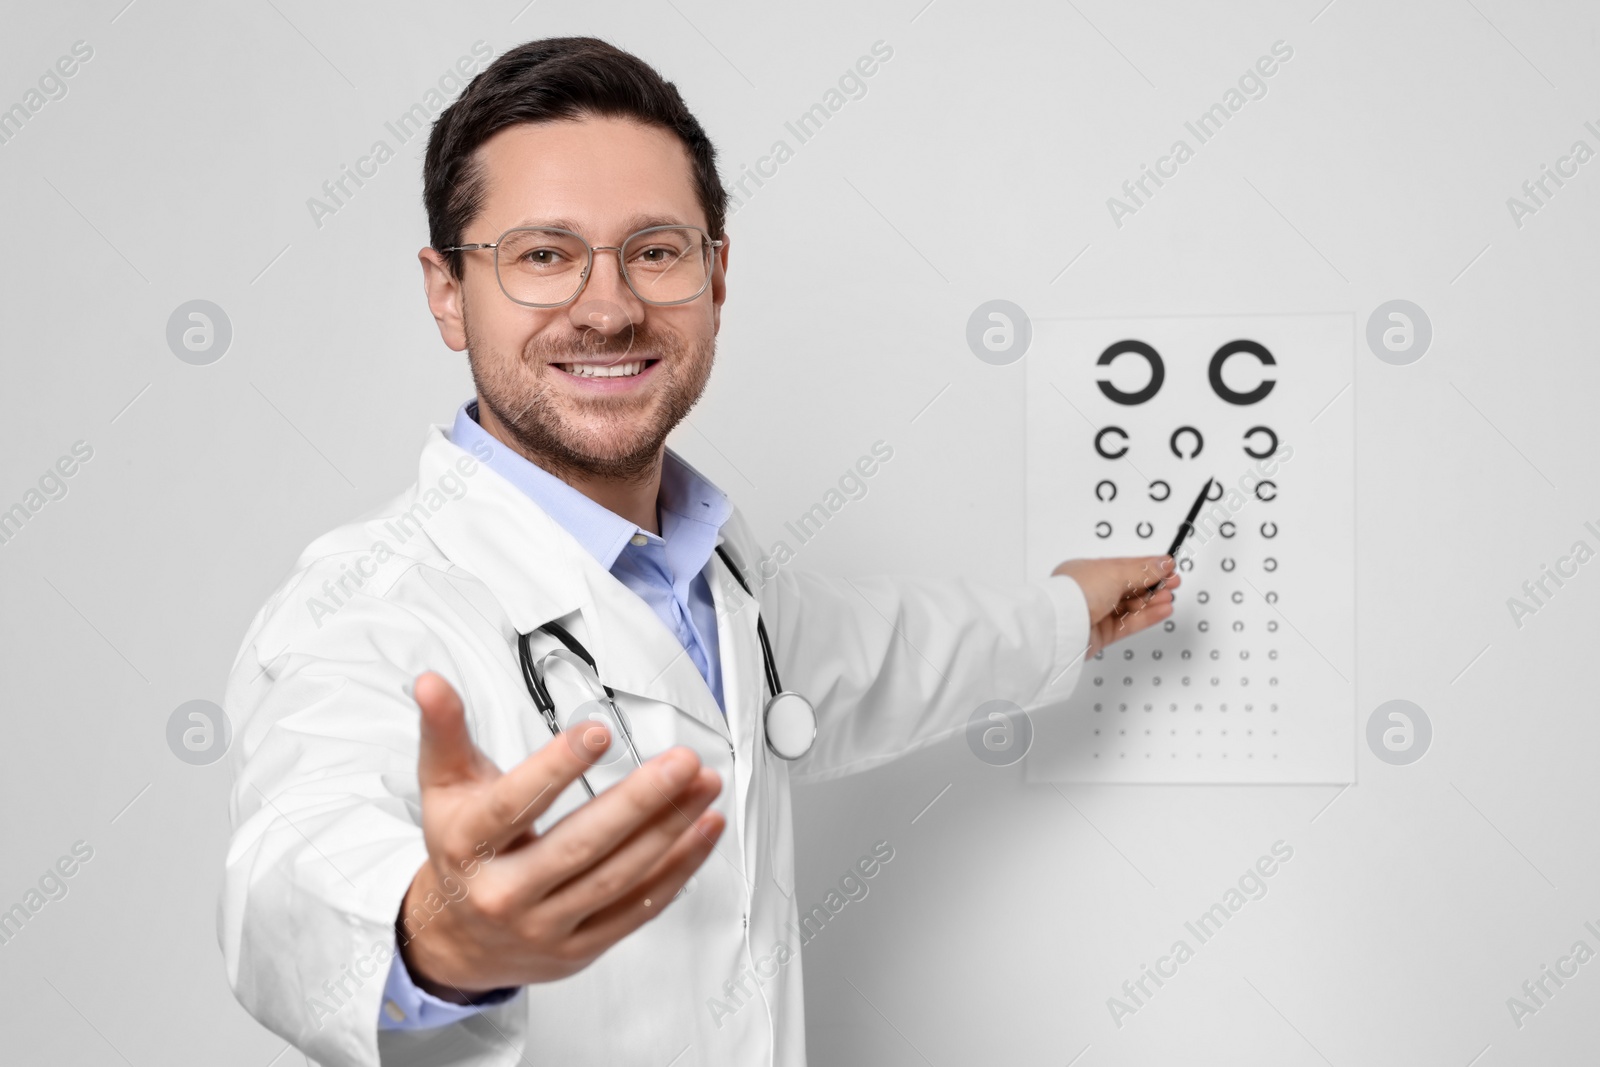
(657, 726)
(652, 726)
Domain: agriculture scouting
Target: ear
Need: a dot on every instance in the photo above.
(444, 298)
(719, 283)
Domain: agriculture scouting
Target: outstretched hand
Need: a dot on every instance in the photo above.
(540, 907)
(1121, 600)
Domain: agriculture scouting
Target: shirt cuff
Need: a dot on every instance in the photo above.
(406, 1007)
(1071, 639)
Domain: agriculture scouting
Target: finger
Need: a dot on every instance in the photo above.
(583, 837)
(1135, 604)
(1135, 621)
(1145, 601)
(636, 858)
(1117, 578)
(1145, 594)
(610, 925)
(1145, 571)
(445, 754)
(516, 799)
(1139, 600)
(1171, 581)
(1160, 589)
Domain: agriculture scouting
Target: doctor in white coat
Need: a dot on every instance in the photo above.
(417, 874)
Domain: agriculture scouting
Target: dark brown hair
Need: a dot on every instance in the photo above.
(544, 81)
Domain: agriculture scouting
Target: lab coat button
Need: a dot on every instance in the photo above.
(392, 1010)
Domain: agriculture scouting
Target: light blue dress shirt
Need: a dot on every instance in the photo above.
(667, 571)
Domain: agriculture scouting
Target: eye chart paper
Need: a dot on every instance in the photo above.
(1251, 679)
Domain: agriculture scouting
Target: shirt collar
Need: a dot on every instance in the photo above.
(685, 493)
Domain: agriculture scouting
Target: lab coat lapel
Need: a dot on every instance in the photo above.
(743, 677)
(538, 572)
(639, 655)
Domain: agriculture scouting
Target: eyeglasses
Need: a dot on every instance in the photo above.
(546, 267)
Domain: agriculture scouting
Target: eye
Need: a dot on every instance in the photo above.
(655, 255)
(542, 257)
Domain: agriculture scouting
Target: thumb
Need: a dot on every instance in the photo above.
(446, 754)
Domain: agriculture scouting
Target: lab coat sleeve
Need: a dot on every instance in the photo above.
(325, 812)
(896, 663)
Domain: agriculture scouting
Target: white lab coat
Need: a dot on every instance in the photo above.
(325, 810)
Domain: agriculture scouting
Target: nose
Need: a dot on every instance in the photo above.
(606, 311)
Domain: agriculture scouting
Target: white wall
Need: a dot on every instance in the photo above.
(977, 166)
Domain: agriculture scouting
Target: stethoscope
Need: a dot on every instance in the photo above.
(789, 720)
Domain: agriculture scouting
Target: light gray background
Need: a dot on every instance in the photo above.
(977, 167)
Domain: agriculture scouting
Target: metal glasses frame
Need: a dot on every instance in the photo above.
(711, 245)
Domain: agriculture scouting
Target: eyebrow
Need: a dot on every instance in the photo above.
(632, 224)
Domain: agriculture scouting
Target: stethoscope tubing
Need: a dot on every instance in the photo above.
(546, 704)
(541, 694)
(768, 661)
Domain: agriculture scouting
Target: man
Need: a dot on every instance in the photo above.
(416, 872)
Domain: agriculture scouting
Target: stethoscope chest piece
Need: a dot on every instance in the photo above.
(791, 725)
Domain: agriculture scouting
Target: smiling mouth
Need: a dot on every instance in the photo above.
(625, 369)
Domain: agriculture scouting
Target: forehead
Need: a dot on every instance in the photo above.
(596, 175)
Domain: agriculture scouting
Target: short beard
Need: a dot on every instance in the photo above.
(524, 406)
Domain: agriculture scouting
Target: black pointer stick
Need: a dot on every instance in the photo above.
(1184, 530)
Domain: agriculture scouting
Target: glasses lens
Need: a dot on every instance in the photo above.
(667, 264)
(540, 266)
(579, 698)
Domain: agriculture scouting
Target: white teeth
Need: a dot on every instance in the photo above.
(619, 370)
